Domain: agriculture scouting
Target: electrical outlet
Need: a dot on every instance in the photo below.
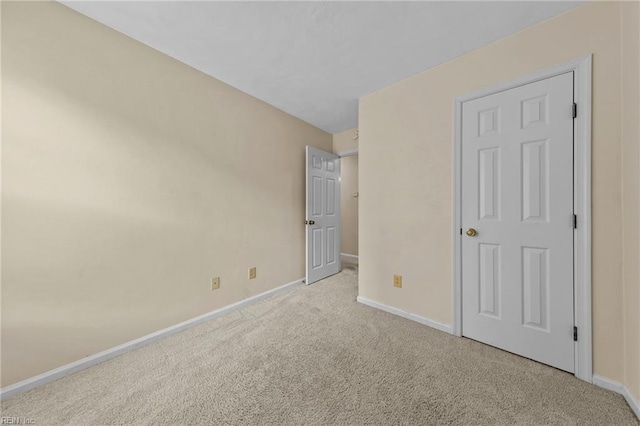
(397, 281)
(252, 273)
(215, 283)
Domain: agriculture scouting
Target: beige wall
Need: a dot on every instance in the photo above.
(129, 181)
(345, 141)
(630, 16)
(406, 171)
(349, 204)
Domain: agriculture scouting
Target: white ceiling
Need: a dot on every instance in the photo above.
(315, 59)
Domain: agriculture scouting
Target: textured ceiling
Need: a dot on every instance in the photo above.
(315, 59)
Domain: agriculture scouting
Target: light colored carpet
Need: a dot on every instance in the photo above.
(314, 356)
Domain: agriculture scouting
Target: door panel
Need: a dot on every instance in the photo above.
(535, 277)
(323, 214)
(517, 193)
(534, 180)
(331, 245)
(489, 269)
(489, 166)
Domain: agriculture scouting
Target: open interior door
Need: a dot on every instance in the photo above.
(323, 214)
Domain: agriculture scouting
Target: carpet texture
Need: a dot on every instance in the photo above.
(313, 356)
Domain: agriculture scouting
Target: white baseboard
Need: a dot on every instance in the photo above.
(349, 256)
(74, 367)
(611, 385)
(607, 384)
(407, 315)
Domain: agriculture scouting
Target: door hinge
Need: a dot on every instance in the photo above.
(575, 110)
(575, 221)
(575, 334)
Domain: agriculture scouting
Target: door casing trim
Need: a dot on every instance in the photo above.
(582, 202)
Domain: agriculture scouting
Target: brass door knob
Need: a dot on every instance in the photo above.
(312, 222)
(471, 232)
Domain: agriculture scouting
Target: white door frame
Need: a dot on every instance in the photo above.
(582, 202)
(348, 153)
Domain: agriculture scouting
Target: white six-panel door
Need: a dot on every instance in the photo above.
(517, 195)
(323, 214)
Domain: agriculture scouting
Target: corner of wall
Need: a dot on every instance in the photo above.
(345, 141)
